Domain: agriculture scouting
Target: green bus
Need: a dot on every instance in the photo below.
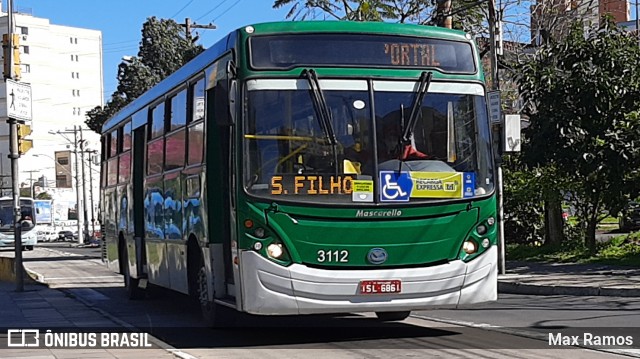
(309, 167)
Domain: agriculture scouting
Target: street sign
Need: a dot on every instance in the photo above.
(18, 100)
(512, 139)
(493, 98)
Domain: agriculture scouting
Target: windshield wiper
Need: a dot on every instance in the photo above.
(425, 81)
(322, 111)
(407, 129)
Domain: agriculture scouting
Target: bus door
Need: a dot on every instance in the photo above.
(220, 172)
(137, 180)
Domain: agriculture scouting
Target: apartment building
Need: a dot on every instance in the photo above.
(63, 65)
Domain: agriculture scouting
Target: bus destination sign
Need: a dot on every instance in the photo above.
(357, 50)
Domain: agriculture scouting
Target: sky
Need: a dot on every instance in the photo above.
(121, 21)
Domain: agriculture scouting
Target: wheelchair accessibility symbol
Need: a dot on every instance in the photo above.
(395, 186)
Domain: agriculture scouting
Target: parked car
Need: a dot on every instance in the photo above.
(65, 236)
(629, 219)
(47, 236)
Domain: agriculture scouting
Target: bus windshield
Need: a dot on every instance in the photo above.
(288, 155)
(7, 214)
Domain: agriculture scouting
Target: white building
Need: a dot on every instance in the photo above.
(63, 65)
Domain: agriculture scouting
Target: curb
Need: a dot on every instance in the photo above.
(532, 289)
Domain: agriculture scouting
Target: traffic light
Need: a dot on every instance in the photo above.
(16, 56)
(24, 145)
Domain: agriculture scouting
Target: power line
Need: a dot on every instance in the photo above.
(210, 11)
(229, 8)
(182, 8)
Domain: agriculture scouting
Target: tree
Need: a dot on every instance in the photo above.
(466, 15)
(582, 98)
(44, 195)
(164, 48)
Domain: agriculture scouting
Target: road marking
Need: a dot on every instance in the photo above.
(85, 278)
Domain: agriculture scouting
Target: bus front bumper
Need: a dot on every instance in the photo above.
(270, 289)
(27, 240)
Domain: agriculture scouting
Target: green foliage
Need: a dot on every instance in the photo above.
(621, 250)
(523, 203)
(44, 195)
(583, 95)
(467, 14)
(163, 50)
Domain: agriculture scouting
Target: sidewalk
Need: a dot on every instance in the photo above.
(39, 306)
(569, 279)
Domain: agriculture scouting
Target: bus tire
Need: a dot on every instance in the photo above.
(214, 315)
(392, 316)
(131, 284)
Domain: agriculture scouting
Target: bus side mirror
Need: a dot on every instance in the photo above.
(224, 97)
(233, 90)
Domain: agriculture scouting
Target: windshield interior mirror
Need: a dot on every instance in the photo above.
(451, 137)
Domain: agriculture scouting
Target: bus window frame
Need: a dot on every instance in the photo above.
(150, 118)
(191, 98)
(173, 134)
(169, 110)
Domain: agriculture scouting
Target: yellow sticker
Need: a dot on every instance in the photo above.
(436, 185)
(362, 190)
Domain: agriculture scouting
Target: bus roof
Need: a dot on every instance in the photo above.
(211, 54)
(357, 27)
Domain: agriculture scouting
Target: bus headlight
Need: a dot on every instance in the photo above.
(469, 247)
(274, 250)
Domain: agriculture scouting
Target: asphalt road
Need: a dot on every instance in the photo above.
(514, 326)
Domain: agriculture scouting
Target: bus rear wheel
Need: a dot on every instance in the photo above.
(131, 284)
(392, 316)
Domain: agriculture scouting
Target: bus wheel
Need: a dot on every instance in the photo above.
(213, 314)
(392, 316)
(131, 284)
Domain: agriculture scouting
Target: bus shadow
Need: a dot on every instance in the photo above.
(313, 331)
(175, 319)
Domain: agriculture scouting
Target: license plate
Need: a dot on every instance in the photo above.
(380, 286)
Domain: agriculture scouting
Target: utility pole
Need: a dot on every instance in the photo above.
(85, 234)
(93, 220)
(637, 20)
(31, 182)
(443, 14)
(79, 210)
(188, 26)
(495, 84)
(79, 190)
(14, 155)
